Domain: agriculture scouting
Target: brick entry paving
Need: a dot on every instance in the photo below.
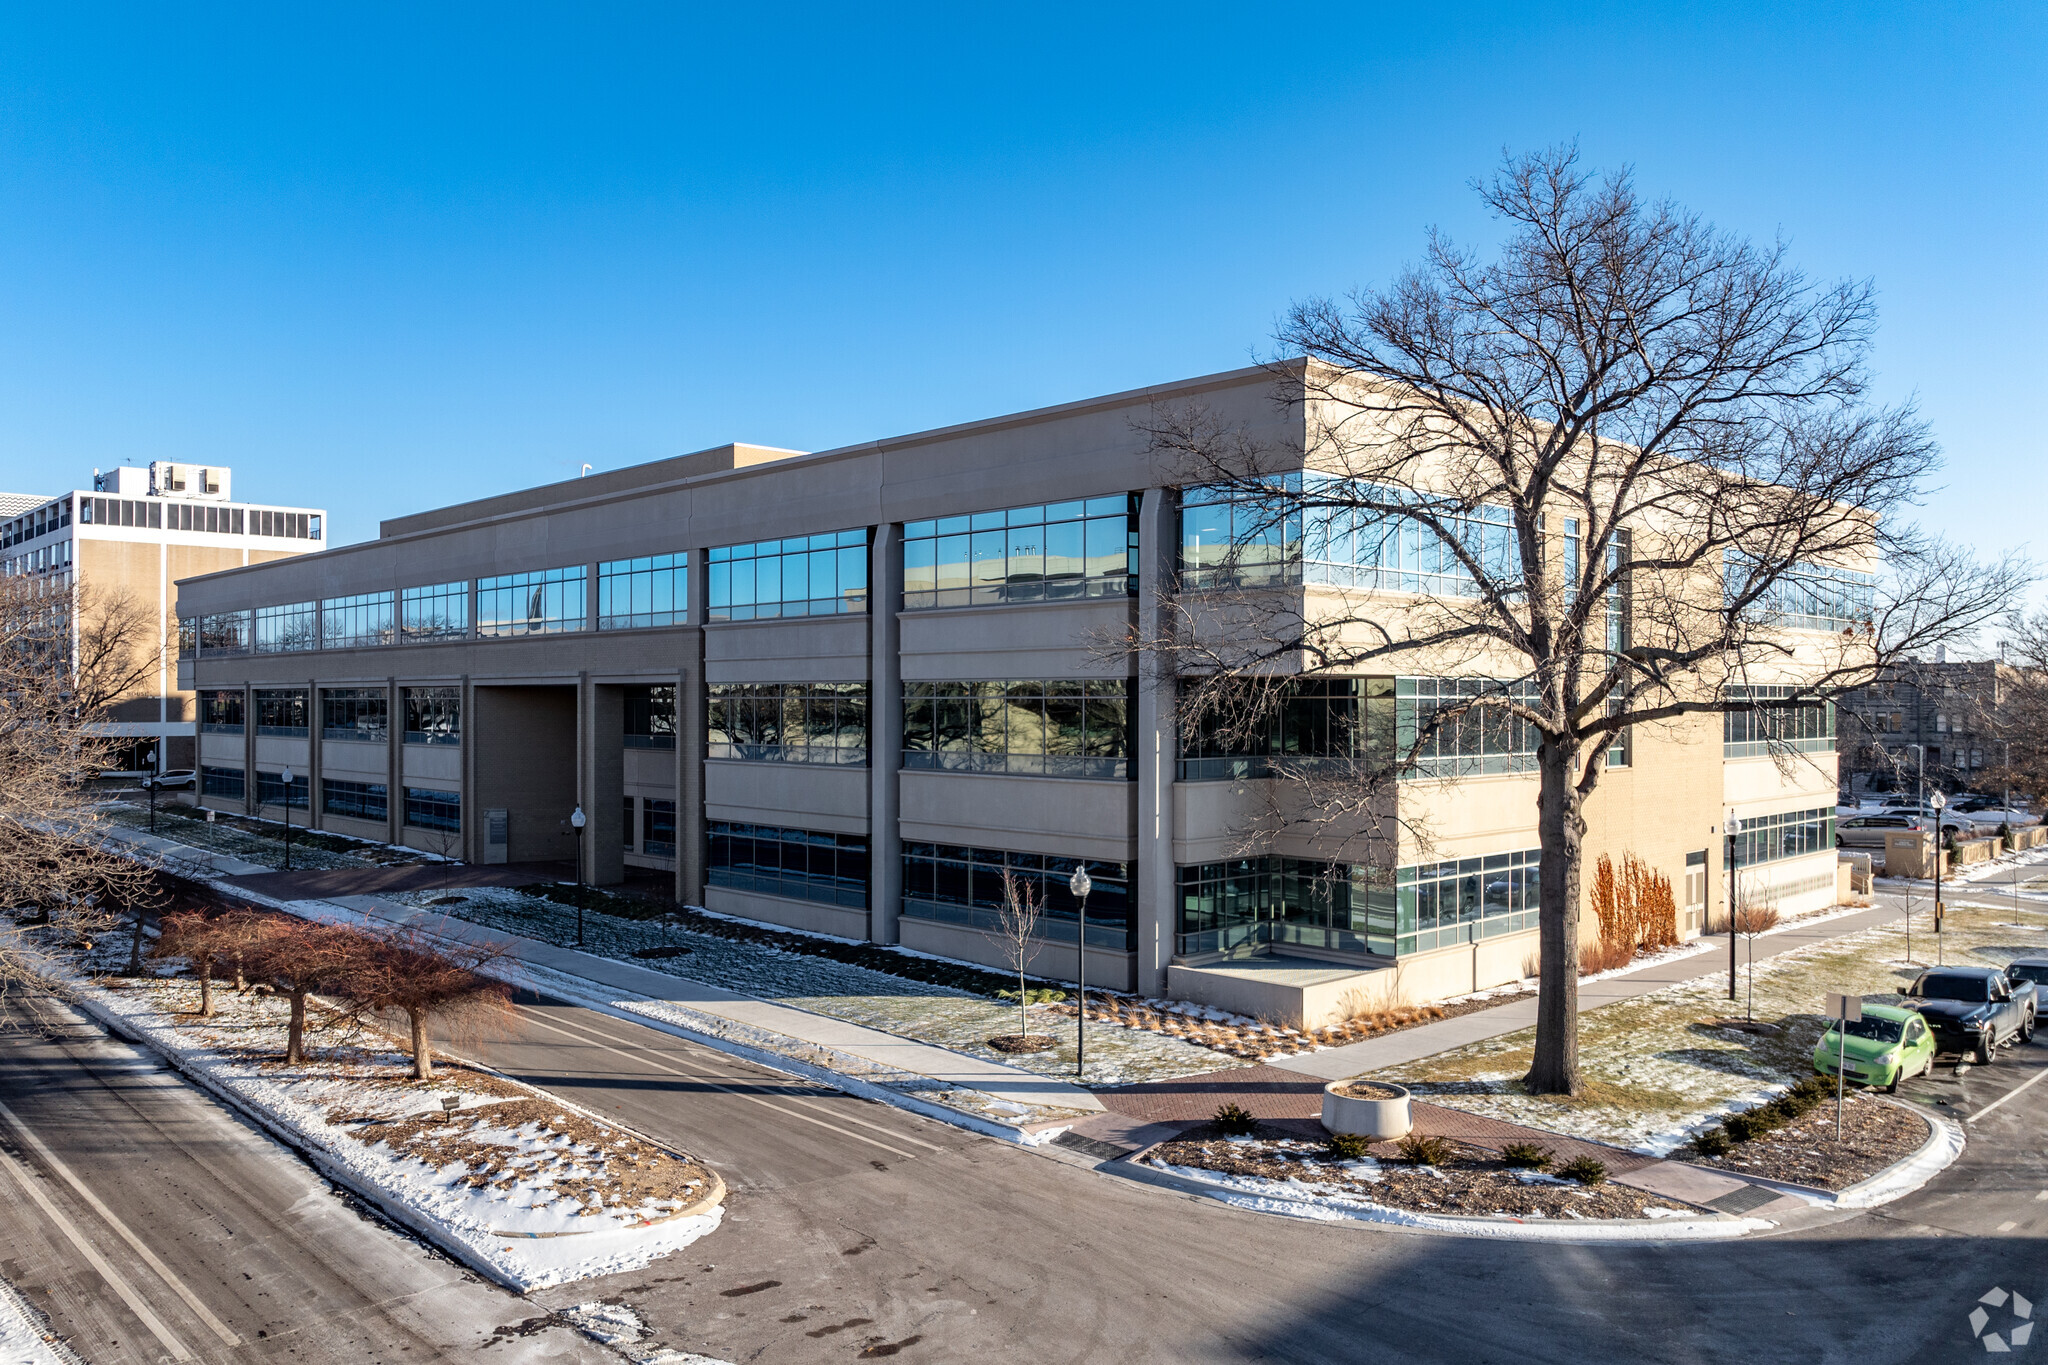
(1291, 1100)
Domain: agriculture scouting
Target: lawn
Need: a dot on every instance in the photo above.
(1657, 1068)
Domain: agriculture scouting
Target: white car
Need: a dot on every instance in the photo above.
(175, 778)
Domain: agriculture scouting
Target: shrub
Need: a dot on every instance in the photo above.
(1423, 1149)
(1713, 1142)
(1235, 1120)
(1753, 1124)
(1585, 1170)
(1527, 1156)
(1348, 1146)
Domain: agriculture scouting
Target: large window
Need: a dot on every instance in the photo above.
(964, 886)
(650, 591)
(433, 715)
(1059, 727)
(1467, 899)
(281, 712)
(224, 632)
(227, 783)
(354, 800)
(1477, 741)
(356, 622)
(544, 602)
(820, 575)
(439, 611)
(1250, 732)
(1788, 834)
(272, 790)
(658, 828)
(1084, 548)
(1246, 903)
(281, 630)
(1806, 596)
(801, 864)
(651, 717)
(188, 637)
(220, 712)
(1808, 727)
(1237, 536)
(426, 808)
(789, 722)
(357, 713)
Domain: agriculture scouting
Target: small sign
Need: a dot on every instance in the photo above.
(1847, 1008)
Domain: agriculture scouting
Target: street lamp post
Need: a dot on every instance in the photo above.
(1734, 826)
(286, 775)
(1935, 801)
(150, 759)
(576, 822)
(1080, 886)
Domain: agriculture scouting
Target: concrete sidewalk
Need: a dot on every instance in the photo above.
(1426, 1040)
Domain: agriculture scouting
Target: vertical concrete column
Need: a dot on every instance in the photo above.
(469, 843)
(885, 733)
(1153, 747)
(603, 780)
(690, 740)
(315, 814)
(252, 804)
(394, 762)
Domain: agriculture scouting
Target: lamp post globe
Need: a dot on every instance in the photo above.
(149, 760)
(1935, 801)
(1734, 827)
(286, 778)
(1080, 885)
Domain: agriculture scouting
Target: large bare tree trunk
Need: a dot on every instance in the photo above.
(422, 1050)
(295, 1035)
(1562, 830)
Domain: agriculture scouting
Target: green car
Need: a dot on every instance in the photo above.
(1884, 1047)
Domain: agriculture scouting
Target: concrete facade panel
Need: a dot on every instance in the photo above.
(802, 649)
(808, 790)
(354, 760)
(790, 914)
(1076, 819)
(1040, 640)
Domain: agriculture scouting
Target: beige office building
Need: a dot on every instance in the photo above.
(132, 536)
(847, 691)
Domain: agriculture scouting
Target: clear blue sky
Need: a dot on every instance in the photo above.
(380, 260)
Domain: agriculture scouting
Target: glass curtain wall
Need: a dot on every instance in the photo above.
(1048, 552)
(1057, 727)
(653, 590)
(225, 632)
(821, 575)
(1808, 727)
(358, 622)
(650, 721)
(544, 602)
(286, 629)
(1477, 741)
(354, 713)
(964, 886)
(800, 864)
(1787, 834)
(354, 800)
(433, 715)
(220, 712)
(281, 712)
(439, 611)
(789, 722)
(1302, 720)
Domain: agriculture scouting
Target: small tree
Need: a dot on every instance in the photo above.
(1755, 916)
(191, 935)
(297, 958)
(404, 970)
(1016, 934)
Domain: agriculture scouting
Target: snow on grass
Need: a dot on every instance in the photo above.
(255, 840)
(1657, 1069)
(525, 1188)
(922, 1011)
(25, 1338)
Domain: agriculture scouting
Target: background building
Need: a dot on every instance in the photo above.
(1954, 713)
(848, 691)
(132, 536)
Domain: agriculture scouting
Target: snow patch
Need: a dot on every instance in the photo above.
(24, 1339)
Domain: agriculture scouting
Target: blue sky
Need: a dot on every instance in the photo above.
(383, 259)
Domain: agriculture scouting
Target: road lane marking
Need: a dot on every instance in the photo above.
(121, 1287)
(192, 1301)
(595, 1031)
(2034, 1079)
(699, 1076)
(2007, 1226)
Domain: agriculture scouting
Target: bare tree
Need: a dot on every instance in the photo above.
(1016, 936)
(1756, 916)
(428, 980)
(296, 958)
(55, 852)
(1608, 471)
(116, 646)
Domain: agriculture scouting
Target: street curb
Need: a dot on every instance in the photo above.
(1944, 1145)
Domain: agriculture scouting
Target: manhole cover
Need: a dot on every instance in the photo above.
(1101, 1151)
(1743, 1200)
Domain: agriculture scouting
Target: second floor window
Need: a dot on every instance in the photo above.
(357, 713)
(433, 715)
(789, 722)
(651, 717)
(1057, 727)
(821, 575)
(650, 591)
(287, 628)
(281, 712)
(1808, 727)
(220, 712)
(539, 603)
(356, 622)
(1047, 552)
(224, 632)
(438, 611)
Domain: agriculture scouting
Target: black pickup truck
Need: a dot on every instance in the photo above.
(1973, 1010)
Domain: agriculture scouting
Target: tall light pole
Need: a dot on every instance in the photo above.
(1935, 801)
(150, 759)
(1080, 886)
(1734, 826)
(576, 822)
(286, 775)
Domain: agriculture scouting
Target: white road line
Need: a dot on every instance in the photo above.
(192, 1301)
(120, 1286)
(2032, 1080)
(699, 1076)
(595, 1031)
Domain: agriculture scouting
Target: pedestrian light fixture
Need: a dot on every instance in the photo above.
(286, 777)
(149, 759)
(1935, 801)
(577, 820)
(1734, 828)
(1080, 886)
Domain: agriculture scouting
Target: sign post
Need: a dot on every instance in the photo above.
(1845, 1010)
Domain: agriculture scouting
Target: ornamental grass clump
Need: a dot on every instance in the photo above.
(1527, 1156)
(1586, 1170)
(1424, 1149)
(1348, 1146)
(1235, 1120)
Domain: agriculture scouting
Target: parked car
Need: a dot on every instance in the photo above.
(1924, 818)
(1868, 831)
(172, 780)
(1886, 1046)
(1994, 815)
(1973, 1010)
(2034, 969)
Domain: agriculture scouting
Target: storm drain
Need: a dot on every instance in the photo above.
(1101, 1151)
(1743, 1200)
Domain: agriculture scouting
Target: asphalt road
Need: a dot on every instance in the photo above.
(151, 1225)
(856, 1231)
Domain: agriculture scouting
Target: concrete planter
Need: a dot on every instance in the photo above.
(1382, 1120)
